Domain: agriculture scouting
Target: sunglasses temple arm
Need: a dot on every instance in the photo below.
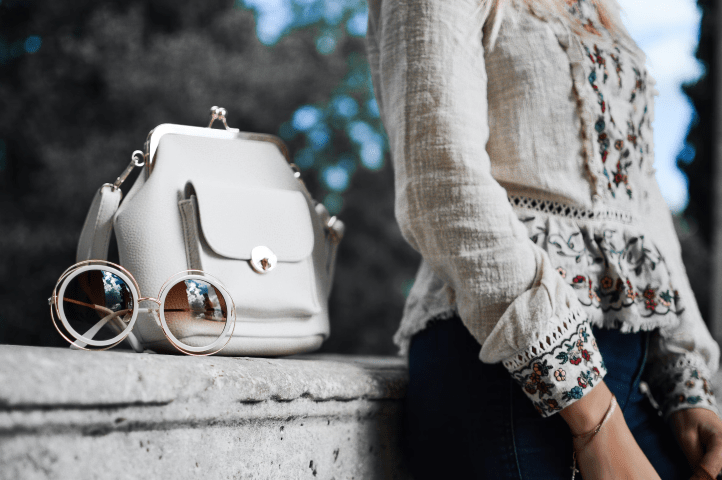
(132, 339)
(79, 345)
(112, 317)
(134, 343)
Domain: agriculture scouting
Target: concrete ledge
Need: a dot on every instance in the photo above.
(69, 414)
(116, 415)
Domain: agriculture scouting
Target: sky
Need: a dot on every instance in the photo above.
(668, 31)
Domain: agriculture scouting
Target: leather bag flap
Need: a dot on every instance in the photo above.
(234, 220)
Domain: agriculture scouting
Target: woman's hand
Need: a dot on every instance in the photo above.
(612, 453)
(699, 433)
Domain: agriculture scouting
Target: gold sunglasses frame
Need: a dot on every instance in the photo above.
(134, 288)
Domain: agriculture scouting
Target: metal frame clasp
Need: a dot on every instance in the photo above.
(137, 159)
(218, 113)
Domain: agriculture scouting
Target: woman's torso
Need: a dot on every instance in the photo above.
(570, 110)
(570, 114)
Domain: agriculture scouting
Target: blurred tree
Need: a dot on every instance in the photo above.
(84, 82)
(696, 160)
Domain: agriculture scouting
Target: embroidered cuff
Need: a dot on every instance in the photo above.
(560, 369)
(683, 383)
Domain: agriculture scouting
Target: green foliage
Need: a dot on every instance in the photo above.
(84, 82)
(337, 136)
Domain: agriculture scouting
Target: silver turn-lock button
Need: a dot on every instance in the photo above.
(263, 260)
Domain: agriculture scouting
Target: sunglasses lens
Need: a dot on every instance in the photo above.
(97, 306)
(195, 312)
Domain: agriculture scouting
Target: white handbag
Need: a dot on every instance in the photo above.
(229, 203)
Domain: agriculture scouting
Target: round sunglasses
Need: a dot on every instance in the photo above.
(95, 305)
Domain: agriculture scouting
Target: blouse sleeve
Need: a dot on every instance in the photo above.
(682, 357)
(427, 63)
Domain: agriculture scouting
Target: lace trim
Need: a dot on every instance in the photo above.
(683, 383)
(547, 341)
(561, 368)
(685, 362)
(569, 211)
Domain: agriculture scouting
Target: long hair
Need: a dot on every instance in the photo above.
(608, 10)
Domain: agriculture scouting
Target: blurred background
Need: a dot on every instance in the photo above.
(82, 82)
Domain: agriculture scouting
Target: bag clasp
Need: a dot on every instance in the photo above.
(263, 260)
(218, 113)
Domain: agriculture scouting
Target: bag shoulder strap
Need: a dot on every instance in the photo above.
(95, 236)
(98, 226)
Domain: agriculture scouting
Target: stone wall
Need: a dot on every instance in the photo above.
(116, 415)
(96, 415)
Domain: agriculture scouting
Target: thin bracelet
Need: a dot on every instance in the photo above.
(593, 432)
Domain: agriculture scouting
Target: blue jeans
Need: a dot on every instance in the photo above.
(467, 419)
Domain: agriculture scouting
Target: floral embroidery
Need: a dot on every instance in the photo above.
(574, 394)
(666, 299)
(610, 140)
(583, 11)
(617, 67)
(573, 246)
(656, 302)
(563, 374)
(638, 84)
(624, 280)
(629, 75)
(681, 384)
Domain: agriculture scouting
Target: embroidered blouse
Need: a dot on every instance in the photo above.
(524, 176)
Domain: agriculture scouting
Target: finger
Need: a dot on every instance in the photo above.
(691, 446)
(712, 460)
(701, 474)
